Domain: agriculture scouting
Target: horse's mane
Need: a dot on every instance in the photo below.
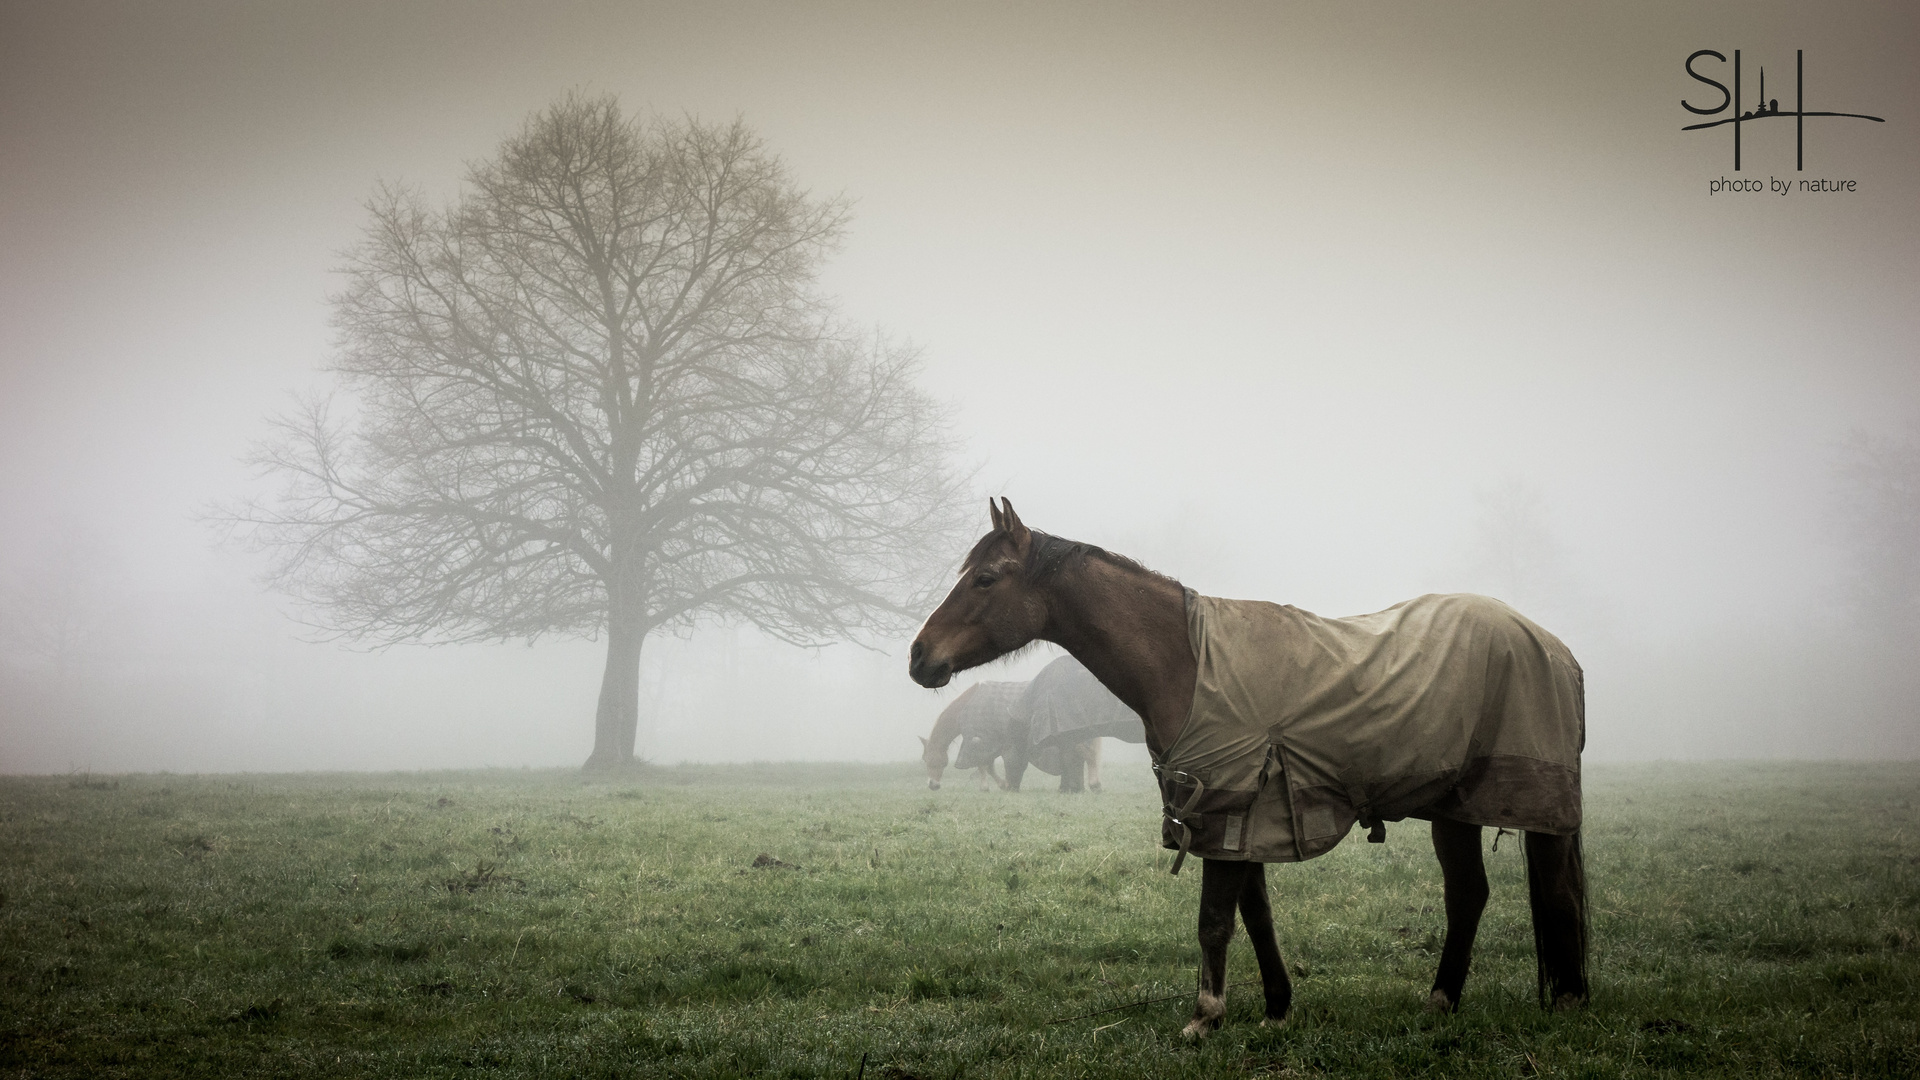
(1048, 554)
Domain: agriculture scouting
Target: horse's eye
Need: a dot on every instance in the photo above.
(984, 581)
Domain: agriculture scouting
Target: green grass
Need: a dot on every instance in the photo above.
(1749, 920)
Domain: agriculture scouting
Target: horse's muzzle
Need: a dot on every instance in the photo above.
(928, 675)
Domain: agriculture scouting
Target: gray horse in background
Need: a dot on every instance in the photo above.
(1053, 723)
(1066, 709)
(980, 718)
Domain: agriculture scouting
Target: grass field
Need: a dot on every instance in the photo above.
(1749, 920)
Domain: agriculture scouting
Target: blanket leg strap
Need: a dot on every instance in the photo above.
(1186, 831)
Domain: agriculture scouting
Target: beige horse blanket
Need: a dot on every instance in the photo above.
(1444, 706)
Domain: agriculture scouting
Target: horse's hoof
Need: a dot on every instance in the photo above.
(1208, 1011)
(1273, 1022)
(1569, 1001)
(1439, 1004)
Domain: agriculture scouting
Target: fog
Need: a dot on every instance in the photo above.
(1330, 304)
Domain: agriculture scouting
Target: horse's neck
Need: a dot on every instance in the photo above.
(946, 728)
(1129, 627)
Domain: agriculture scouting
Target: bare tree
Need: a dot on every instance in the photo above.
(1880, 507)
(601, 394)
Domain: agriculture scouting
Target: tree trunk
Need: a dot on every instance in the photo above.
(617, 720)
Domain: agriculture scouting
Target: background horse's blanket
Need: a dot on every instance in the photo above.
(1444, 706)
(983, 715)
(1065, 704)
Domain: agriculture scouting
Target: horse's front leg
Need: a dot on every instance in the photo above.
(1257, 913)
(1221, 883)
(1464, 874)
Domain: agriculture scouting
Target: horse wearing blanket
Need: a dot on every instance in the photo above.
(1273, 731)
(978, 718)
(1054, 723)
(1066, 710)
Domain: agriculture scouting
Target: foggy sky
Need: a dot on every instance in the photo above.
(1277, 298)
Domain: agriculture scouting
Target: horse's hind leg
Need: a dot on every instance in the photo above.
(1257, 913)
(1073, 769)
(1220, 889)
(1465, 876)
(1557, 890)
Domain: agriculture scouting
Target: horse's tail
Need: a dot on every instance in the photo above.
(1557, 892)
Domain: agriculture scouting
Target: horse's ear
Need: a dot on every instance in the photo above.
(993, 511)
(1010, 521)
(923, 742)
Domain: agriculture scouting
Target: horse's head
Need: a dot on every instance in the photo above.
(992, 610)
(935, 759)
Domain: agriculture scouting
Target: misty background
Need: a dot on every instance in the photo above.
(1325, 304)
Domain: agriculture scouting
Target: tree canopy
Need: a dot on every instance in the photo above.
(601, 393)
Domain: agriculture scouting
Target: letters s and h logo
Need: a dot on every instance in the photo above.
(1767, 109)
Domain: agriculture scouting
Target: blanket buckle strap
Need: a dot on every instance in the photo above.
(1186, 830)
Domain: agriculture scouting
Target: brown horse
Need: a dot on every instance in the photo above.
(1134, 630)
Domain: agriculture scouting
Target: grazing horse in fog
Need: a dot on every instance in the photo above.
(1066, 707)
(1274, 730)
(996, 720)
(978, 717)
